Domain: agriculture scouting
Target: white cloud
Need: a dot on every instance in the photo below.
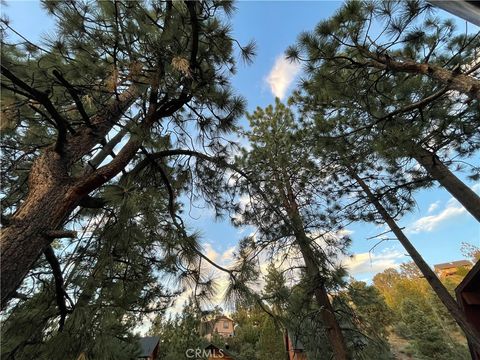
(281, 76)
(431, 222)
(433, 206)
(373, 263)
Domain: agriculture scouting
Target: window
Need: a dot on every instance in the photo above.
(225, 324)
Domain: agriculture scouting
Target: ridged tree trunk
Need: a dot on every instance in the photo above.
(53, 193)
(49, 201)
(448, 301)
(316, 280)
(438, 171)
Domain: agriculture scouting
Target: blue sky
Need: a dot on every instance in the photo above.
(437, 226)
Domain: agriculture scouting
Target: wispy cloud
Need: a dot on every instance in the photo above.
(281, 76)
(433, 206)
(429, 223)
(373, 263)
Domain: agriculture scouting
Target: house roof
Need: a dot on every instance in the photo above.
(213, 346)
(452, 264)
(147, 345)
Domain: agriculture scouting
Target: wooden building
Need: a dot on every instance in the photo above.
(468, 296)
(451, 268)
(221, 325)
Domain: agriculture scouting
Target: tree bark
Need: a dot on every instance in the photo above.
(333, 330)
(48, 202)
(460, 191)
(53, 194)
(454, 80)
(448, 301)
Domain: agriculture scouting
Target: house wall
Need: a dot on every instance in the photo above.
(224, 327)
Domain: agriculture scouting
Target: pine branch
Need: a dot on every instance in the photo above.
(91, 202)
(177, 220)
(74, 94)
(58, 234)
(42, 98)
(61, 294)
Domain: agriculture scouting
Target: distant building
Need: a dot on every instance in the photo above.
(149, 347)
(451, 268)
(468, 297)
(221, 325)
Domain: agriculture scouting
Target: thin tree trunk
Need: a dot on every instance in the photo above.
(460, 191)
(333, 330)
(472, 335)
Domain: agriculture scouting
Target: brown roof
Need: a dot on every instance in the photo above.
(452, 264)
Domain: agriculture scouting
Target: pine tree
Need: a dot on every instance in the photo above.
(120, 85)
(416, 308)
(112, 278)
(179, 333)
(406, 71)
(386, 116)
(270, 342)
(286, 206)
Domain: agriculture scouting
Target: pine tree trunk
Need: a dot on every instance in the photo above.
(53, 194)
(49, 201)
(333, 330)
(466, 196)
(448, 301)
(315, 278)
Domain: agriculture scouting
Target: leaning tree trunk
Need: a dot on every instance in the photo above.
(437, 170)
(448, 301)
(315, 278)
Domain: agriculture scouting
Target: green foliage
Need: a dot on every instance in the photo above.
(420, 316)
(178, 333)
(176, 58)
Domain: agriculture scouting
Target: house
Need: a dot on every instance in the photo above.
(293, 346)
(214, 353)
(468, 297)
(451, 268)
(221, 325)
(149, 347)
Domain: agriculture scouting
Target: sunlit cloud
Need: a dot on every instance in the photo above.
(429, 223)
(367, 262)
(281, 76)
